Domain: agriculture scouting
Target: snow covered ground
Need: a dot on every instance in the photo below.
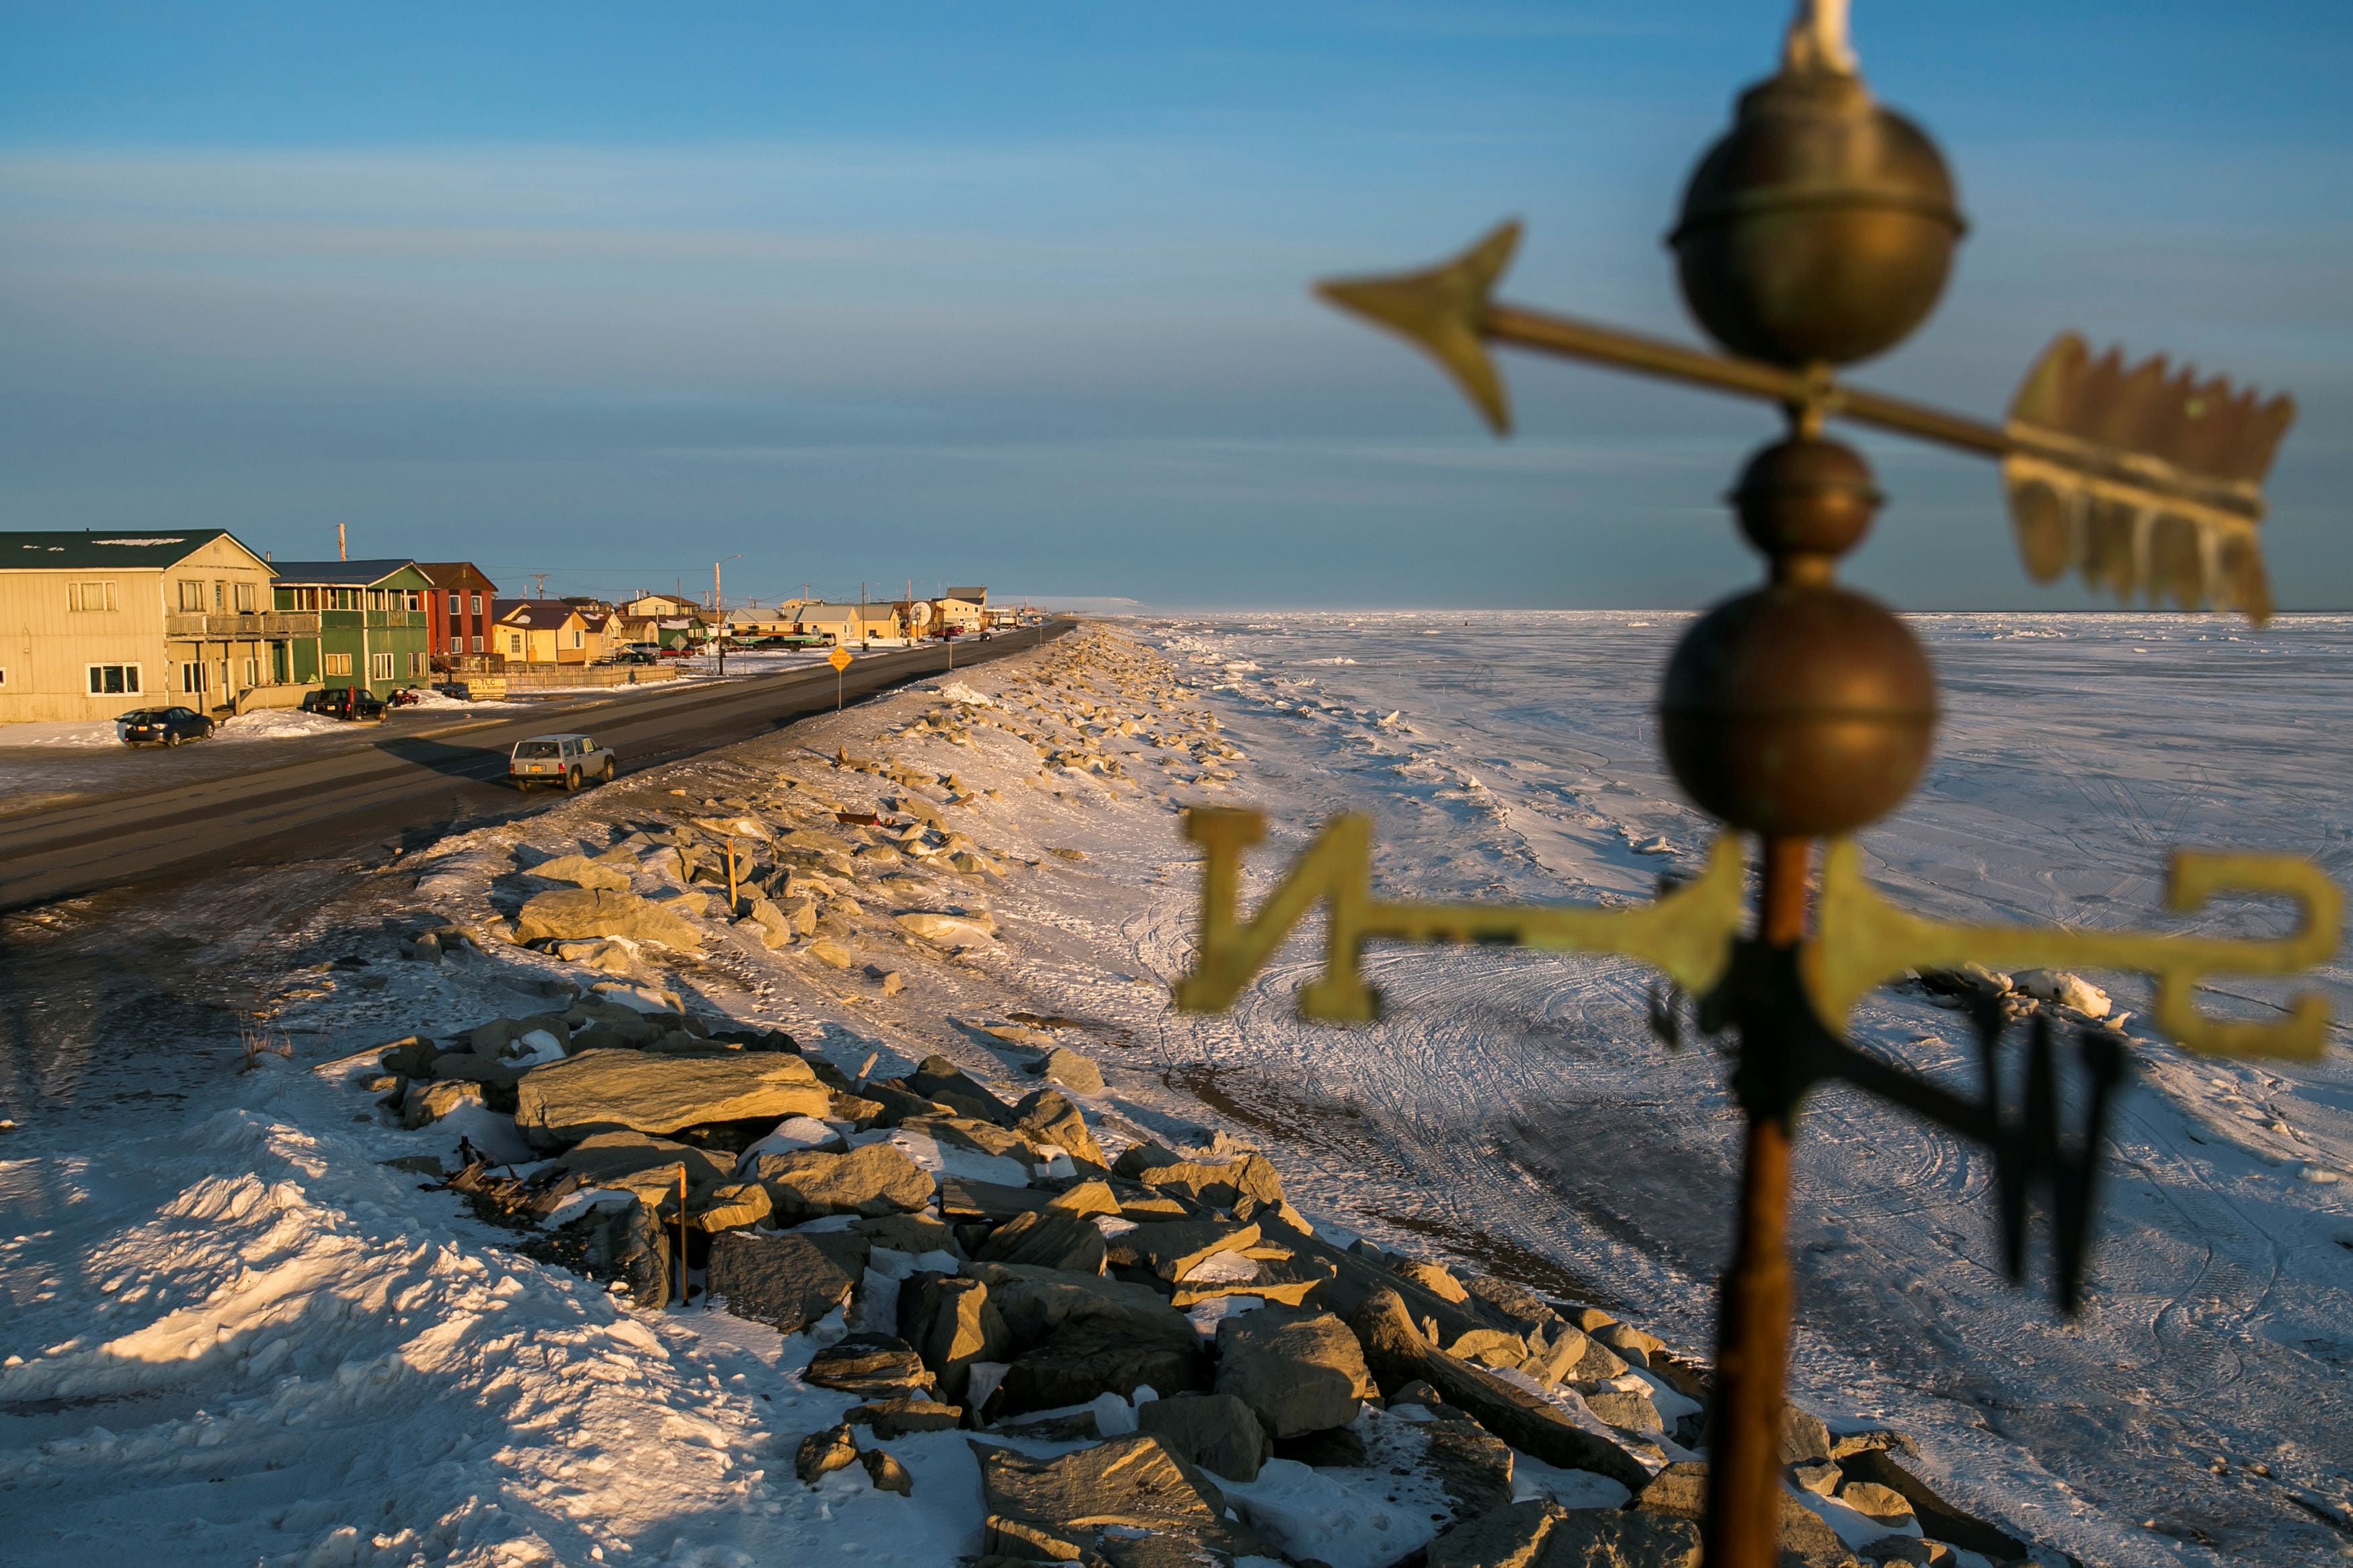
(235, 1334)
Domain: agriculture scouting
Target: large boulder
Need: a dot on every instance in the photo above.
(940, 1080)
(1221, 1183)
(1214, 1431)
(1127, 1501)
(1048, 1117)
(785, 1282)
(1398, 1355)
(1173, 1248)
(646, 1166)
(1047, 1238)
(1541, 1534)
(1681, 1491)
(874, 1179)
(872, 1366)
(952, 1324)
(1300, 1371)
(1473, 1464)
(567, 914)
(600, 1091)
(1071, 1070)
(1084, 1360)
(1038, 1303)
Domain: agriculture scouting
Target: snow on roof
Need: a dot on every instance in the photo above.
(57, 550)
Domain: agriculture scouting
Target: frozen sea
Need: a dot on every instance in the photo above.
(1513, 1106)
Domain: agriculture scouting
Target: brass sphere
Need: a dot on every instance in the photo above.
(1798, 709)
(1819, 228)
(1805, 498)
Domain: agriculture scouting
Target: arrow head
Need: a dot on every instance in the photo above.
(1444, 311)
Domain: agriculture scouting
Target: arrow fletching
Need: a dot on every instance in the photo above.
(2147, 481)
(1442, 311)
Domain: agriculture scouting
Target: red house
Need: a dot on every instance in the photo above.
(459, 609)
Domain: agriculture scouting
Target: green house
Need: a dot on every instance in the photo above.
(373, 627)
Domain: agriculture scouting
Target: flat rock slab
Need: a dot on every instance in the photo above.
(614, 1159)
(785, 1282)
(1300, 1371)
(872, 1366)
(573, 913)
(603, 1091)
(1097, 1502)
(899, 1417)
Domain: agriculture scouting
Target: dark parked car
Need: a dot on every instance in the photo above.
(162, 726)
(345, 702)
(636, 655)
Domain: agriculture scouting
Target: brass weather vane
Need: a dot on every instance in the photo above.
(1816, 232)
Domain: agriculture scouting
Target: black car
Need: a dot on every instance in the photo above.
(162, 726)
(345, 702)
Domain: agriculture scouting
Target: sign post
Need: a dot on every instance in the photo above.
(839, 659)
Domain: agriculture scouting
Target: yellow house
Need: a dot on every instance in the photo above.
(95, 624)
(847, 623)
(539, 631)
(964, 609)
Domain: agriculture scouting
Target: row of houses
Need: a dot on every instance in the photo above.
(93, 625)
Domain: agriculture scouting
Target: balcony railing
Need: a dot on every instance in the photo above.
(251, 624)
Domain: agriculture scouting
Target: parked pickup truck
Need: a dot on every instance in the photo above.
(566, 761)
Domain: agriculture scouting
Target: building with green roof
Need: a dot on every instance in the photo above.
(373, 628)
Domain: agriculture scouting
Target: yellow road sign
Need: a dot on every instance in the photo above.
(839, 658)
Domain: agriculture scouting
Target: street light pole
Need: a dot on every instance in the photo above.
(719, 609)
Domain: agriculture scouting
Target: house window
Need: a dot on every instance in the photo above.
(81, 596)
(4, 680)
(478, 604)
(579, 637)
(454, 601)
(245, 598)
(477, 645)
(514, 642)
(191, 678)
(457, 643)
(109, 679)
(220, 594)
(253, 672)
(379, 667)
(413, 600)
(339, 664)
(416, 664)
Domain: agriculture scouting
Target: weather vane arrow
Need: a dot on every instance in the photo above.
(1819, 231)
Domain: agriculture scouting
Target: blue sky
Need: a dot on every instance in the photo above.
(1016, 293)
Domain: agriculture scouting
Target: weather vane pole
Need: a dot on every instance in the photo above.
(1816, 232)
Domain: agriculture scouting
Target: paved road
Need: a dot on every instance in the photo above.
(348, 795)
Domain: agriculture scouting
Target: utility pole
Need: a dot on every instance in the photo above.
(539, 583)
(340, 553)
(719, 609)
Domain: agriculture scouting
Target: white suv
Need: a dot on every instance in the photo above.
(569, 760)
